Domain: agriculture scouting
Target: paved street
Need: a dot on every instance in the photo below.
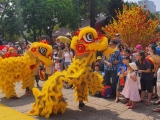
(95, 109)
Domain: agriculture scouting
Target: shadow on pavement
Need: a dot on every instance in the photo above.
(23, 100)
(85, 113)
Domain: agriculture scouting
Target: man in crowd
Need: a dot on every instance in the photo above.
(158, 48)
(110, 66)
(119, 41)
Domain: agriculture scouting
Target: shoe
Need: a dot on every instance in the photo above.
(156, 110)
(38, 86)
(157, 102)
(125, 101)
(113, 96)
(154, 97)
(27, 92)
(128, 104)
(117, 100)
(14, 97)
(81, 104)
(131, 107)
(148, 103)
(140, 101)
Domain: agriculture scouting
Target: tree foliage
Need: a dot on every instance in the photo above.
(3, 6)
(42, 15)
(130, 4)
(84, 7)
(9, 24)
(113, 6)
(134, 27)
(37, 17)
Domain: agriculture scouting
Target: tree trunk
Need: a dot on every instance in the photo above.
(92, 14)
(2, 15)
(49, 33)
(24, 37)
(40, 32)
(50, 36)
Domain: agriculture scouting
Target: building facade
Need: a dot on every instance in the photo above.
(148, 5)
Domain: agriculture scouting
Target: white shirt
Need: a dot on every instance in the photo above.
(67, 57)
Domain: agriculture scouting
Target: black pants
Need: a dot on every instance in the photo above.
(146, 85)
(111, 79)
(154, 83)
(37, 78)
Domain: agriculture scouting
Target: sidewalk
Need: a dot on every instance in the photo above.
(95, 109)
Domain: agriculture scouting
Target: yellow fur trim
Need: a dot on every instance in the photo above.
(86, 30)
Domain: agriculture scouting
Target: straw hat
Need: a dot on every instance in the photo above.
(133, 66)
(99, 58)
(56, 58)
(117, 34)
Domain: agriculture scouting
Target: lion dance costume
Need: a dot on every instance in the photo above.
(21, 68)
(50, 100)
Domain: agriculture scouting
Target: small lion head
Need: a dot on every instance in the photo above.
(42, 52)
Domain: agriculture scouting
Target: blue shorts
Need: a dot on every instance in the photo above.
(67, 63)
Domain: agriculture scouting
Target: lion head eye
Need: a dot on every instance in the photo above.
(43, 51)
(88, 37)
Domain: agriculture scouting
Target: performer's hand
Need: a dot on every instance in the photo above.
(109, 64)
(140, 71)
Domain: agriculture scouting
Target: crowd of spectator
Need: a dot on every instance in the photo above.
(130, 73)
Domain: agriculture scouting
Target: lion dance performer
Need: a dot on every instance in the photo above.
(50, 100)
(22, 68)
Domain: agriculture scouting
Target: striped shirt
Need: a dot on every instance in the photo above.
(111, 59)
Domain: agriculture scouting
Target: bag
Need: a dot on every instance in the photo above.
(138, 81)
(107, 92)
(121, 80)
(151, 62)
(158, 75)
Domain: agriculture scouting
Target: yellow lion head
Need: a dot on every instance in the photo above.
(88, 39)
(42, 52)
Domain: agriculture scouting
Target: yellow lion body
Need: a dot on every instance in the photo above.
(21, 69)
(16, 69)
(50, 99)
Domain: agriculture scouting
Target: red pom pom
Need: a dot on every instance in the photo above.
(80, 48)
(44, 41)
(33, 49)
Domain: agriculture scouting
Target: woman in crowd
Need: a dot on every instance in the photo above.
(154, 66)
(67, 55)
(144, 69)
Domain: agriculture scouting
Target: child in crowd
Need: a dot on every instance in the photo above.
(121, 78)
(126, 52)
(67, 55)
(131, 90)
(57, 65)
(101, 64)
(97, 68)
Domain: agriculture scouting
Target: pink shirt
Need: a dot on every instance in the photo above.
(57, 66)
